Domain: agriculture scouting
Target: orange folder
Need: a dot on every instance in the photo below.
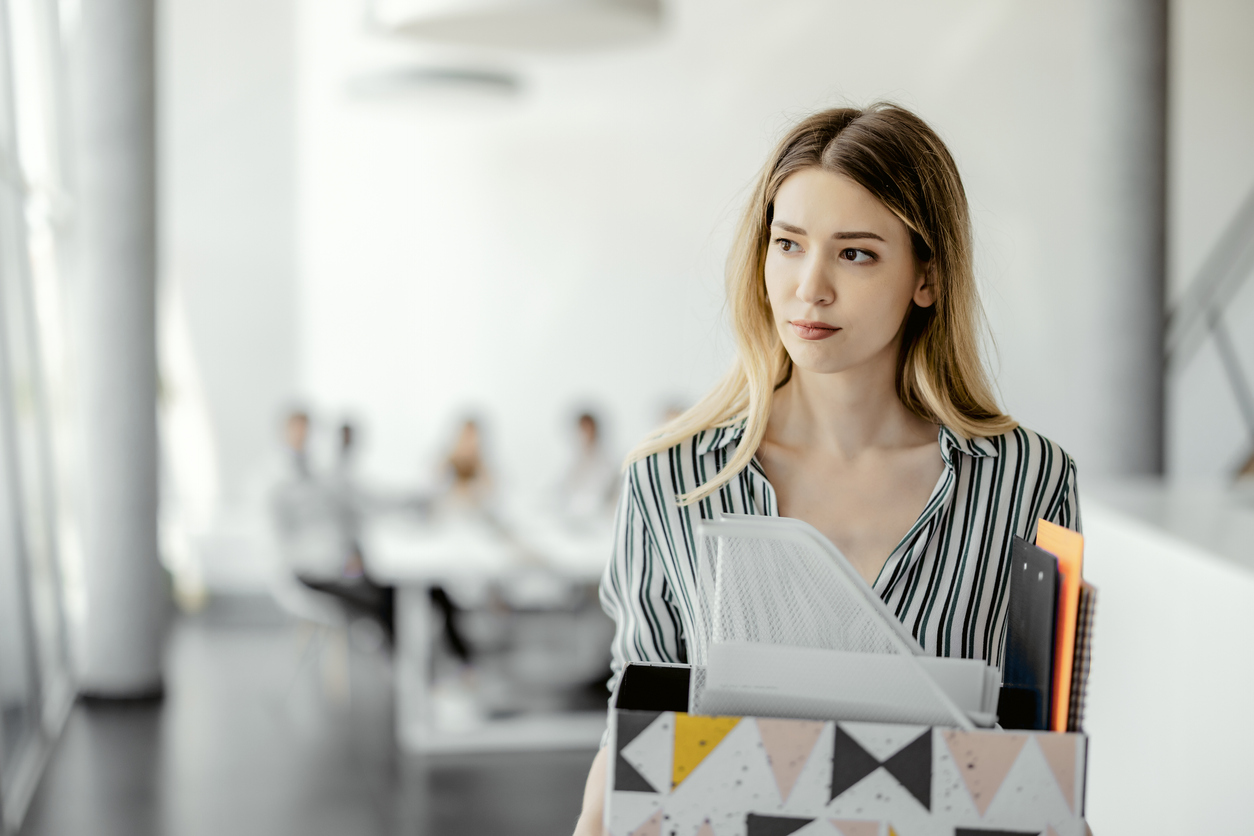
(1068, 547)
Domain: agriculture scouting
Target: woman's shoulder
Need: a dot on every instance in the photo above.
(1024, 474)
(687, 464)
(1020, 447)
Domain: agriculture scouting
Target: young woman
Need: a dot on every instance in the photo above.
(858, 403)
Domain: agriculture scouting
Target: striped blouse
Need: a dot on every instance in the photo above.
(946, 580)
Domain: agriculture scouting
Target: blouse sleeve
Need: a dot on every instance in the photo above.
(635, 591)
(1065, 509)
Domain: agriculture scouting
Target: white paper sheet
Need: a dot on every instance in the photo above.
(771, 680)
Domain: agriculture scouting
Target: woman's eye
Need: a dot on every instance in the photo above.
(856, 256)
(787, 246)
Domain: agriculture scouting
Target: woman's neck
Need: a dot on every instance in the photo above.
(845, 413)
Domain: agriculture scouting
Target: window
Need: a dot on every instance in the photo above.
(36, 526)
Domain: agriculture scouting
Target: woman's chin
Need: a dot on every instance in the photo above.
(816, 362)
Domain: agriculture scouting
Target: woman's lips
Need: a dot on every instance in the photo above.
(812, 330)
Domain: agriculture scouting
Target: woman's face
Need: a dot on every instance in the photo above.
(840, 273)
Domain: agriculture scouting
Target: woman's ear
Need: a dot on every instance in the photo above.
(925, 290)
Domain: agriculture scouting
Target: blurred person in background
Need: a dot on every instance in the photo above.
(589, 490)
(305, 513)
(296, 436)
(467, 481)
(465, 498)
(318, 518)
(350, 501)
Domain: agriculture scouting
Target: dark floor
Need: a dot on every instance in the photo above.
(248, 742)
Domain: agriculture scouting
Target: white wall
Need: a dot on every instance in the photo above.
(1212, 126)
(227, 132)
(1212, 172)
(569, 245)
(524, 256)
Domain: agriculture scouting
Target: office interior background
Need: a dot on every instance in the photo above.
(401, 214)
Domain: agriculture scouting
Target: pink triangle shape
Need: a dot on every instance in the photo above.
(983, 759)
(706, 829)
(1049, 830)
(1059, 752)
(856, 828)
(651, 826)
(788, 746)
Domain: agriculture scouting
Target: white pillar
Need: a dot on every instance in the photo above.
(113, 92)
(1124, 321)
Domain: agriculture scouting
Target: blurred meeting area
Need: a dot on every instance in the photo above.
(326, 326)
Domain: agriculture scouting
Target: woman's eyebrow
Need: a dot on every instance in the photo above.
(787, 227)
(839, 236)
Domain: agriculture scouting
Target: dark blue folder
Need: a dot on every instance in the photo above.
(1028, 674)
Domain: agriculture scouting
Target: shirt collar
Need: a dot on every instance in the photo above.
(717, 438)
(977, 447)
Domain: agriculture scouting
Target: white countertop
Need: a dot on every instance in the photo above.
(404, 550)
(1216, 517)
(1168, 711)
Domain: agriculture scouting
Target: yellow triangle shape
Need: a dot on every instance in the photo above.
(891, 832)
(696, 737)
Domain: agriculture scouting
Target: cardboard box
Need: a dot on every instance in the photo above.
(675, 774)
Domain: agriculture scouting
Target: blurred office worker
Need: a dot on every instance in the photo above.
(307, 514)
(466, 483)
(318, 521)
(589, 487)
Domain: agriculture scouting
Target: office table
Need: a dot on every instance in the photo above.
(414, 555)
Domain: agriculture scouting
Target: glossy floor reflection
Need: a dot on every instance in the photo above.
(247, 741)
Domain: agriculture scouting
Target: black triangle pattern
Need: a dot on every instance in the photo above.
(911, 766)
(628, 779)
(631, 724)
(756, 825)
(850, 763)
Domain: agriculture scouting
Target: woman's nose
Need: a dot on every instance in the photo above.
(816, 286)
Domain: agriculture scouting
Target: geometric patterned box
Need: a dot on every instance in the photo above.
(675, 774)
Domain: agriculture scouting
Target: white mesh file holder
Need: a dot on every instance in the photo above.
(775, 581)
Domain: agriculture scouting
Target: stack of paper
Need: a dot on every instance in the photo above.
(772, 680)
(788, 628)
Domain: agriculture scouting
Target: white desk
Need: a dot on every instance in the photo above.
(1168, 711)
(413, 556)
(1210, 515)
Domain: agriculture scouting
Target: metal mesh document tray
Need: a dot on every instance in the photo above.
(774, 588)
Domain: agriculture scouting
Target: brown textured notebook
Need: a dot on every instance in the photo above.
(1083, 656)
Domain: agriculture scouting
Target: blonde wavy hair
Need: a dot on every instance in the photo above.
(940, 375)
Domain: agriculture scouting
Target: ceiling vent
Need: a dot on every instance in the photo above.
(523, 24)
(433, 85)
